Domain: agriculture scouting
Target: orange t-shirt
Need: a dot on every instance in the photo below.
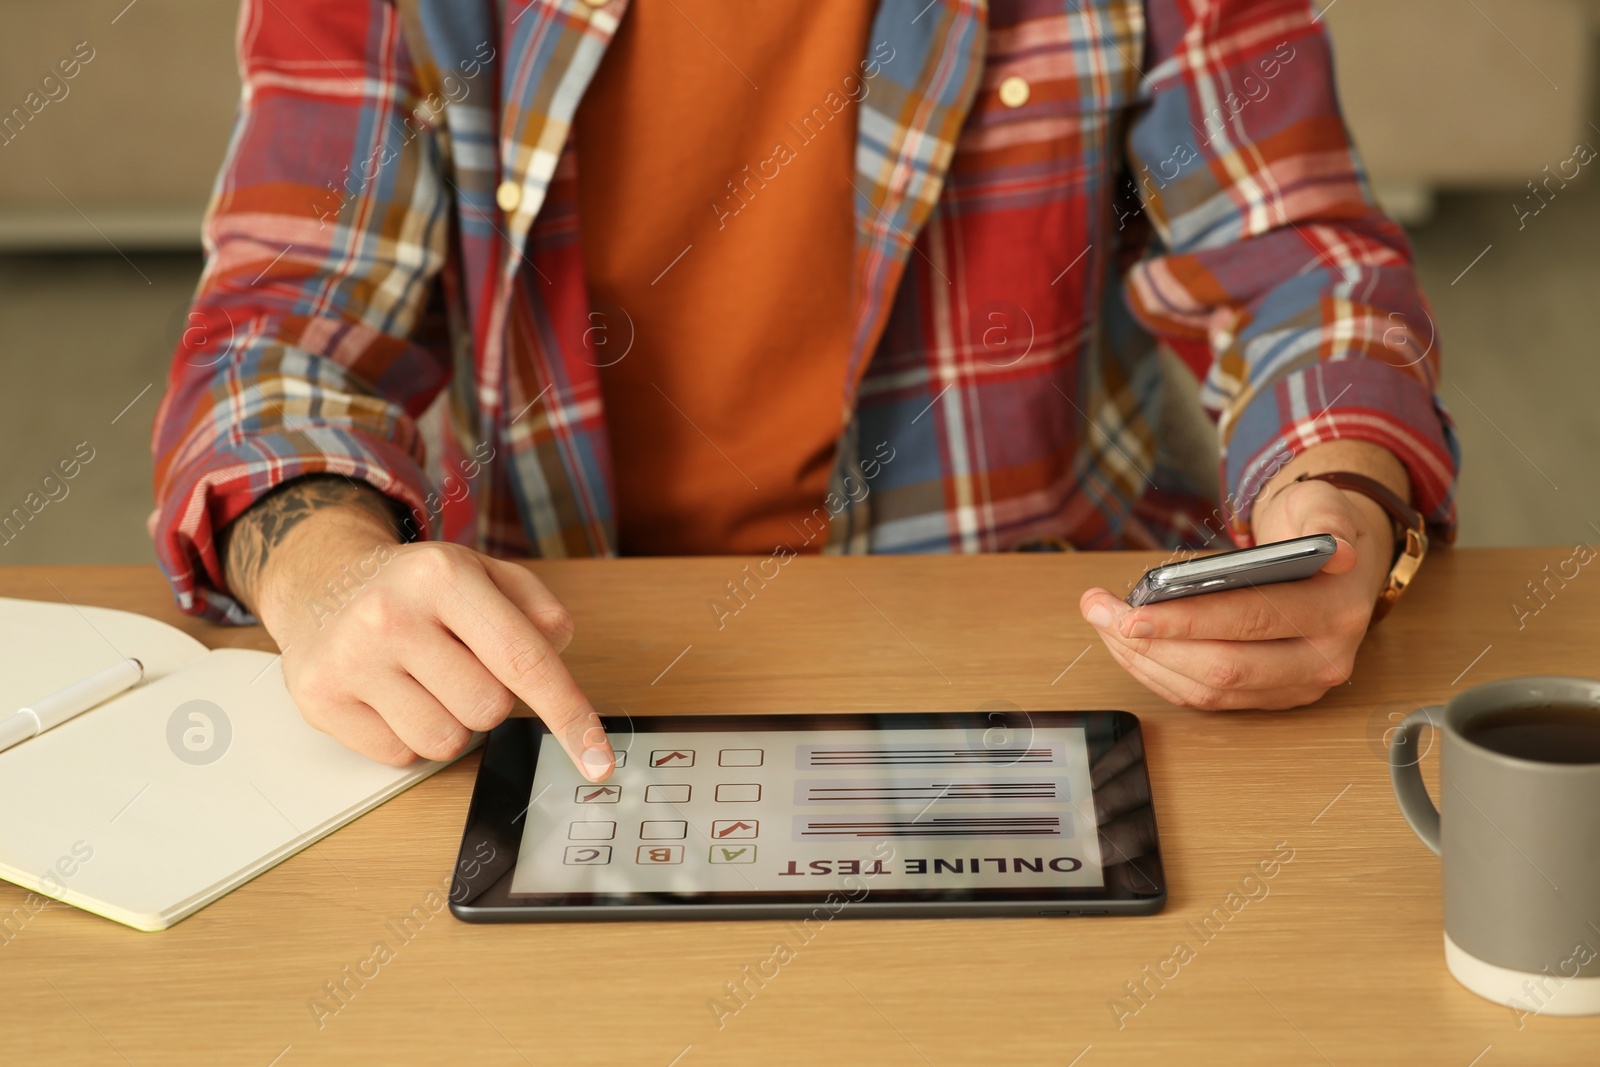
(715, 201)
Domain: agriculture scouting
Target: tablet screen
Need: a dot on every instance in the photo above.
(772, 810)
(765, 809)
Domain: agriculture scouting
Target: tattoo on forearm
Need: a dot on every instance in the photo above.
(249, 540)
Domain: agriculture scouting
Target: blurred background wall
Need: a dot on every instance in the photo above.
(1458, 107)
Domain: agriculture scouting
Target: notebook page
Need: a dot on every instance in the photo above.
(178, 791)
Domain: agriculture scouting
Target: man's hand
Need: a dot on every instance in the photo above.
(1278, 646)
(403, 650)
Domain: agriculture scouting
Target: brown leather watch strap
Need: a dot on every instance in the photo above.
(1407, 516)
(1411, 535)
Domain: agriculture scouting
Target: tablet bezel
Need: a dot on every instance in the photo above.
(480, 889)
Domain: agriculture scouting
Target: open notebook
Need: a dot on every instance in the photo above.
(159, 801)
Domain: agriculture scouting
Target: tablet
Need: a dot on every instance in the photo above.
(814, 817)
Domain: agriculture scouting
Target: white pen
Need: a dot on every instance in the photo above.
(74, 700)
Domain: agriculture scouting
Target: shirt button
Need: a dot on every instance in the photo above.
(508, 196)
(1014, 91)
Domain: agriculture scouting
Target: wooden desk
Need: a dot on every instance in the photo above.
(1341, 962)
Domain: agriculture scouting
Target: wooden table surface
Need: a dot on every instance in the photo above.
(1340, 961)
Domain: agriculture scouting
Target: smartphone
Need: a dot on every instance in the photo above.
(1281, 561)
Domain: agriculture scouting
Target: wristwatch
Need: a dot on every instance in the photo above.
(1411, 532)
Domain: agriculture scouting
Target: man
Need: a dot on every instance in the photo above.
(709, 276)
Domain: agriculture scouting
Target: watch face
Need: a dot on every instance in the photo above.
(1404, 569)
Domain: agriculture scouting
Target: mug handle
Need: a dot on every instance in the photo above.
(1405, 772)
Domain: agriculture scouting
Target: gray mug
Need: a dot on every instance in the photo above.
(1520, 846)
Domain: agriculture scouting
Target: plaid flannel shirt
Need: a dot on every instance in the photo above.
(1177, 173)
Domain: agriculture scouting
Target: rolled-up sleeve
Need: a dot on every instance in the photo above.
(1275, 275)
(326, 231)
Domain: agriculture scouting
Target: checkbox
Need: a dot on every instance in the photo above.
(663, 830)
(592, 831)
(739, 792)
(740, 757)
(733, 853)
(587, 855)
(666, 794)
(651, 854)
(672, 758)
(598, 794)
(734, 829)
